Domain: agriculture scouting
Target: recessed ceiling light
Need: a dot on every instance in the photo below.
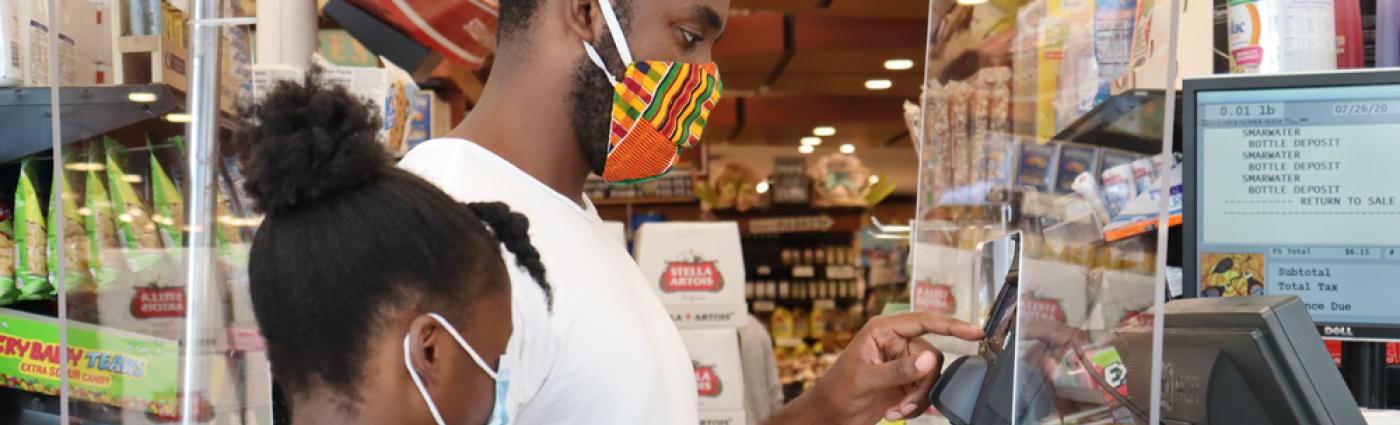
(824, 131)
(899, 64)
(848, 148)
(811, 141)
(141, 97)
(762, 187)
(178, 117)
(878, 84)
(874, 179)
(806, 149)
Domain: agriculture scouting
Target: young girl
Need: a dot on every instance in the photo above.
(382, 300)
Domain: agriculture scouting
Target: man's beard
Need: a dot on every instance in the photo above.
(590, 102)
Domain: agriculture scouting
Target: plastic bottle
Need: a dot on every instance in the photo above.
(1273, 36)
(1351, 49)
(1387, 33)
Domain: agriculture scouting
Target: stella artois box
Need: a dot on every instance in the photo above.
(1054, 291)
(719, 378)
(697, 269)
(943, 283)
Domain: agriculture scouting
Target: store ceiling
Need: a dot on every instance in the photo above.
(792, 65)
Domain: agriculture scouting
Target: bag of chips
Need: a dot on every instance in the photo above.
(136, 233)
(8, 291)
(31, 240)
(168, 206)
(74, 238)
(104, 263)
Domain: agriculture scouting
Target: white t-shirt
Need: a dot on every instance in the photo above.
(608, 353)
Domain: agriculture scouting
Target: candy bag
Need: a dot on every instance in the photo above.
(8, 291)
(103, 262)
(74, 243)
(136, 233)
(167, 204)
(31, 242)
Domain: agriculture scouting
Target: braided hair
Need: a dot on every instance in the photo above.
(349, 238)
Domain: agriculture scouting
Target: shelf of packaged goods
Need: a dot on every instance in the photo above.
(615, 202)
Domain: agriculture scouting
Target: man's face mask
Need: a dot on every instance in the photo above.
(659, 109)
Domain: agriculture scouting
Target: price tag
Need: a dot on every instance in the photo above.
(763, 306)
(764, 271)
(802, 272)
(824, 304)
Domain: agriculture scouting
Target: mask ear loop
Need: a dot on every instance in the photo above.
(615, 26)
(423, 390)
(467, 347)
(598, 60)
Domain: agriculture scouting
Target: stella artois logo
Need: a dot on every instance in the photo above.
(706, 380)
(693, 274)
(155, 302)
(1039, 308)
(936, 297)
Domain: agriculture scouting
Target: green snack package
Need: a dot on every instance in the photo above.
(136, 233)
(74, 238)
(100, 223)
(31, 242)
(8, 291)
(167, 203)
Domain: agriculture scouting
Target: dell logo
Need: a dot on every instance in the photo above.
(1337, 331)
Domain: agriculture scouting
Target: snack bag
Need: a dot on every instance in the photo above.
(31, 250)
(8, 291)
(74, 242)
(100, 224)
(136, 233)
(167, 204)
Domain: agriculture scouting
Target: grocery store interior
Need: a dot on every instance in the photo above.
(1158, 210)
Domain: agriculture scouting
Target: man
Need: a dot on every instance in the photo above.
(605, 351)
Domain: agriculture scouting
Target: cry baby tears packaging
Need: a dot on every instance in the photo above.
(697, 270)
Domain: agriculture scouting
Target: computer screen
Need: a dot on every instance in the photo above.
(1293, 188)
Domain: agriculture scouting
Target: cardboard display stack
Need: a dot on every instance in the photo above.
(697, 269)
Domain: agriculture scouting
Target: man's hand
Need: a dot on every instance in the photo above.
(885, 373)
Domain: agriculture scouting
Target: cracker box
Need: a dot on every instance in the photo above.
(697, 269)
(719, 377)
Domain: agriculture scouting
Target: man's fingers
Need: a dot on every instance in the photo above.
(911, 325)
(901, 371)
(915, 401)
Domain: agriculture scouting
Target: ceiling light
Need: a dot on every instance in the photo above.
(971, 2)
(874, 179)
(811, 141)
(178, 117)
(899, 64)
(878, 84)
(132, 178)
(806, 149)
(848, 148)
(762, 187)
(824, 131)
(141, 97)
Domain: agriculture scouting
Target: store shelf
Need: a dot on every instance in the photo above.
(1130, 121)
(86, 112)
(614, 202)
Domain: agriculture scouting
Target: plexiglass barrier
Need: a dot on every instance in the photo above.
(109, 266)
(1048, 120)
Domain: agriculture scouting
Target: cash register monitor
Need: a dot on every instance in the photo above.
(1241, 361)
(1292, 187)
